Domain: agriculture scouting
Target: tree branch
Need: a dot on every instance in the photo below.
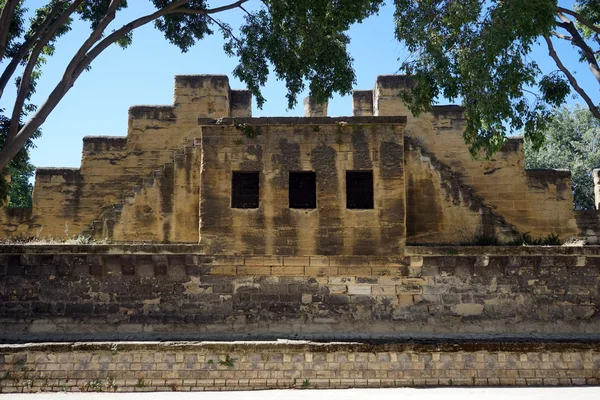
(25, 85)
(6, 17)
(31, 41)
(24, 49)
(14, 142)
(245, 11)
(93, 38)
(571, 78)
(578, 41)
(561, 36)
(224, 28)
(580, 18)
(125, 29)
(82, 59)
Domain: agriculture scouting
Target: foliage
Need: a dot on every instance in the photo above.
(525, 239)
(228, 361)
(572, 141)
(20, 170)
(302, 40)
(480, 52)
(485, 240)
(20, 186)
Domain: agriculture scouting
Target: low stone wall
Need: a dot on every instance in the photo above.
(74, 293)
(125, 367)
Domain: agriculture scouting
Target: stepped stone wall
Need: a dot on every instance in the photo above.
(170, 178)
(538, 202)
(66, 202)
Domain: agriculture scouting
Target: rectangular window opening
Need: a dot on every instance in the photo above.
(244, 190)
(303, 190)
(359, 190)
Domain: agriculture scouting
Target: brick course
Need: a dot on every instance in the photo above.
(175, 292)
(149, 367)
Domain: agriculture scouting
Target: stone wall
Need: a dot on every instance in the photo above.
(537, 202)
(145, 186)
(441, 208)
(327, 147)
(66, 202)
(103, 292)
(148, 367)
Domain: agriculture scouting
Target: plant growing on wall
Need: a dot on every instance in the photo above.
(303, 41)
(481, 52)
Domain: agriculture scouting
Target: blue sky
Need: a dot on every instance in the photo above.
(143, 74)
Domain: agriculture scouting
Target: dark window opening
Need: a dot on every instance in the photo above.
(244, 190)
(303, 190)
(359, 189)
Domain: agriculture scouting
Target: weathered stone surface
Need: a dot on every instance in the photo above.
(328, 150)
(149, 291)
(151, 367)
(169, 180)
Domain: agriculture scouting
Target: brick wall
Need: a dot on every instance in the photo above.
(98, 292)
(144, 367)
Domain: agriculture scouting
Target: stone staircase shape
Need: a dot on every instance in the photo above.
(461, 193)
(109, 216)
(452, 184)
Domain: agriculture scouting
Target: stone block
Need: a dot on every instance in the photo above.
(314, 109)
(362, 103)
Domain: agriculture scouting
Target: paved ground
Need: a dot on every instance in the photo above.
(343, 394)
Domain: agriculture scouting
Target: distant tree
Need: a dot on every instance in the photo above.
(21, 187)
(572, 141)
(19, 168)
(303, 40)
(480, 52)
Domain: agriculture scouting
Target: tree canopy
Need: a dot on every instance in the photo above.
(303, 41)
(480, 52)
(572, 141)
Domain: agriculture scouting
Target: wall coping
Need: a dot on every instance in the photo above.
(167, 249)
(366, 120)
(303, 346)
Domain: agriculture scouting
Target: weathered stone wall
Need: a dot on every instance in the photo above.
(329, 148)
(588, 222)
(150, 367)
(440, 208)
(145, 187)
(165, 208)
(67, 201)
(173, 292)
(538, 202)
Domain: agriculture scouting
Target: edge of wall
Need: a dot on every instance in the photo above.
(172, 366)
(167, 249)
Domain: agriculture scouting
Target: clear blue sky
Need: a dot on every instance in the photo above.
(143, 74)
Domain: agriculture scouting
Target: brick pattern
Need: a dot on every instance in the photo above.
(153, 367)
(169, 295)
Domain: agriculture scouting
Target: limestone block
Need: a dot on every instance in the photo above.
(386, 96)
(314, 109)
(362, 103)
(198, 96)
